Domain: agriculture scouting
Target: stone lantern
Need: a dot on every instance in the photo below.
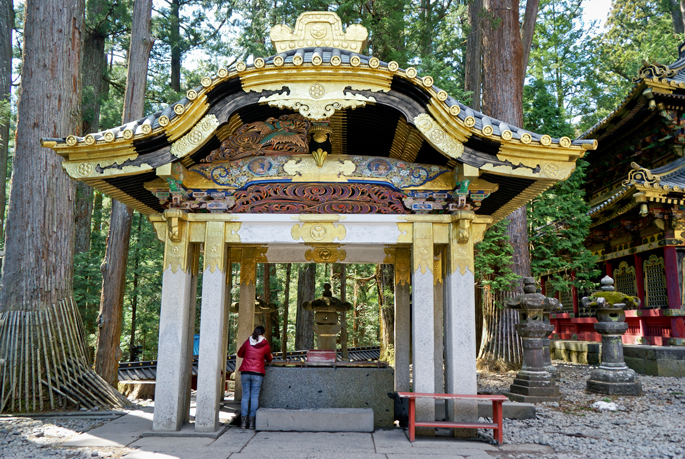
(612, 377)
(533, 384)
(326, 324)
(555, 306)
(261, 309)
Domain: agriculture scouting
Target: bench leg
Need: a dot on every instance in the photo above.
(412, 413)
(497, 419)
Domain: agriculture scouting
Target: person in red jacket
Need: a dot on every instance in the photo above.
(254, 351)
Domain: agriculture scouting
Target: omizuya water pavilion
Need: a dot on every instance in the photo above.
(319, 154)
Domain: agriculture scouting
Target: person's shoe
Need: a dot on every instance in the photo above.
(252, 422)
(243, 422)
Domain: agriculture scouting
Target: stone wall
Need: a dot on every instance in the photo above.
(327, 387)
(647, 360)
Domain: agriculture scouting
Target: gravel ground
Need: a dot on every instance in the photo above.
(651, 426)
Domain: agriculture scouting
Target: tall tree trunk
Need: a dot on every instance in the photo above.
(385, 277)
(527, 33)
(355, 315)
(46, 355)
(341, 271)
(267, 298)
(116, 256)
(175, 44)
(503, 73)
(474, 53)
(6, 27)
(93, 69)
(675, 6)
(304, 327)
(286, 304)
(134, 300)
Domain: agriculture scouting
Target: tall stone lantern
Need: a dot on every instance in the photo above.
(533, 384)
(555, 305)
(326, 311)
(612, 377)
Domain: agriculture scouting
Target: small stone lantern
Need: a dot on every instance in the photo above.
(533, 384)
(326, 324)
(555, 305)
(612, 377)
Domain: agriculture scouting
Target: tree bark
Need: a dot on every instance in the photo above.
(676, 8)
(341, 269)
(6, 27)
(286, 304)
(304, 327)
(474, 53)
(267, 298)
(116, 254)
(134, 299)
(527, 33)
(503, 74)
(355, 315)
(93, 69)
(175, 39)
(385, 279)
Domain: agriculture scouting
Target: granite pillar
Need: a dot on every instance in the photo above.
(248, 272)
(423, 348)
(438, 318)
(402, 319)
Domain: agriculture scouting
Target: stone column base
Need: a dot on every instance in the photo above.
(533, 388)
(614, 382)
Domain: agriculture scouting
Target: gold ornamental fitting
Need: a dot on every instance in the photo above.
(487, 130)
(109, 136)
(355, 61)
(191, 94)
(507, 134)
(206, 82)
(410, 72)
(241, 66)
(470, 121)
(163, 120)
(565, 142)
(316, 59)
(179, 109)
(72, 140)
(259, 62)
(146, 128)
(128, 133)
(90, 139)
(526, 138)
(393, 66)
(374, 62)
(427, 81)
(222, 73)
(442, 95)
(336, 61)
(279, 61)
(297, 59)
(546, 140)
(455, 110)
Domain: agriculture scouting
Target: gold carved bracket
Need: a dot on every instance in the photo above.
(422, 252)
(215, 247)
(331, 254)
(318, 232)
(402, 266)
(319, 28)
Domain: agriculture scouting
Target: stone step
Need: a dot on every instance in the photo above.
(315, 420)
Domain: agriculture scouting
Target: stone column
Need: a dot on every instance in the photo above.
(402, 319)
(438, 318)
(212, 358)
(173, 361)
(248, 277)
(192, 301)
(612, 377)
(423, 349)
(460, 319)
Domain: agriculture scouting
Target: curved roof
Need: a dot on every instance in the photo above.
(374, 109)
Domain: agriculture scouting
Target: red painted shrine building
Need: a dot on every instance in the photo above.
(636, 190)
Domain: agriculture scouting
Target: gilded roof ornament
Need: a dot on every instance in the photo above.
(641, 174)
(319, 28)
(655, 70)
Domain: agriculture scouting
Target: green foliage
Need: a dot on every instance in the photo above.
(559, 225)
(493, 259)
(541, 112)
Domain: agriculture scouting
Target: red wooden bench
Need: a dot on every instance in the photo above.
(496, 413)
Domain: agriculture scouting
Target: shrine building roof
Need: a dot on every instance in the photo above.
(362, 107)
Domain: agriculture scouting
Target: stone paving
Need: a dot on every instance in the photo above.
(652, 426)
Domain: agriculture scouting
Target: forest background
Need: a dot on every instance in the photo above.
(577, 73)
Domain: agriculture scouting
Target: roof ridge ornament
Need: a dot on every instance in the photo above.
(641, 174)
(319, 28)
(655, 70)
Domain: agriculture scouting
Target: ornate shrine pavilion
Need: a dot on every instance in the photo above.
(319, 153)
(636, 190)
